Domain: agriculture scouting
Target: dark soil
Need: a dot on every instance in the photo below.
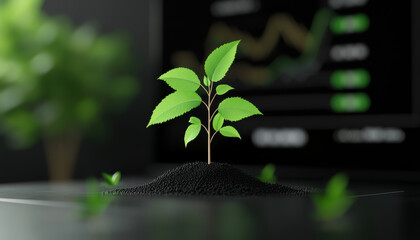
(202, 179)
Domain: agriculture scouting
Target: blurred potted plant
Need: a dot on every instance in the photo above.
(57, 81)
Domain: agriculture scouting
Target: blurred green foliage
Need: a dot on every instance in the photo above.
(336, 200)
(95, 203)
(55, 78)
(268, 174)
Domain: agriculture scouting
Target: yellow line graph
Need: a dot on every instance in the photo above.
(278, 26)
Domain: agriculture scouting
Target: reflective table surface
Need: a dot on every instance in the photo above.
(54, 211)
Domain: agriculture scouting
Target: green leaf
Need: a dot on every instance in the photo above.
(206, 81)
(337, 185)
(229, 131)
(174, 105)
(218, 121)
(116, 178)
(112, 180)
(268, 174)
(195, 120)
(107, 177)
(191, 133)
(236, 108)
(182, 79)
(223, 88)
(336, 200)
(219, 61)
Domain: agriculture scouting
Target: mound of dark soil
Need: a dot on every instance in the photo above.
(202, 179)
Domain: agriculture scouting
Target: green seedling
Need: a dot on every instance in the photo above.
(111, 180)
(268, 174)
(185, 98)
(336, 200)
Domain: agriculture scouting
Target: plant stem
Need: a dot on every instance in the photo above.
(205, 128)
(208, 140)
(213, 114)
(211, 139)
(208, 127)
(205, 104)
(209, 122)
(204, 89)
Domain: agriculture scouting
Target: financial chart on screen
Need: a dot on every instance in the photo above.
(335, 79)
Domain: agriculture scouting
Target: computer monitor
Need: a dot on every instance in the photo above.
(337, 80)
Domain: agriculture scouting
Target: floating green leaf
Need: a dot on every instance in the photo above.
(236, 108)
(229, 131)
(174, 105)
(182, 79)
(191, 133)
(218, 121)
(219, 61)
(195, 120)
(223, 88)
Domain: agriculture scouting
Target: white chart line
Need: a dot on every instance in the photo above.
(377, 194)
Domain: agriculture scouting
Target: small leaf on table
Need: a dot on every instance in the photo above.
(112, 180)
(116, 178)
(268, 174)
(107, 177)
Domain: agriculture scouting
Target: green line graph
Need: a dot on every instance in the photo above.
(310, 57)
